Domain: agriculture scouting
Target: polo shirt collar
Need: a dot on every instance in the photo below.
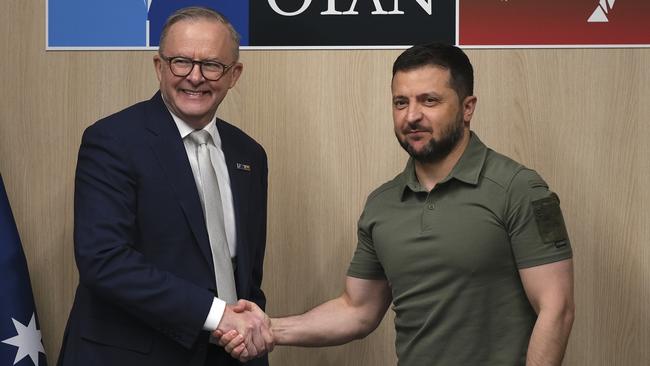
(467, 169)
(469, 166)
(410, 180)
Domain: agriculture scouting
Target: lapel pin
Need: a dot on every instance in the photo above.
(244, 167)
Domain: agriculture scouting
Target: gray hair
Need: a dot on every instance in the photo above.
(194, 13)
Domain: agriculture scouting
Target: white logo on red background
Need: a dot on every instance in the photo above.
(600, 14)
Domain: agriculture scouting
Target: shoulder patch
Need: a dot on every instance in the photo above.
(538, 182)
(550, 221)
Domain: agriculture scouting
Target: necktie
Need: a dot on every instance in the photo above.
(213, 211)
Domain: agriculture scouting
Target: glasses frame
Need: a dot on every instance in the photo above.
(171, 59)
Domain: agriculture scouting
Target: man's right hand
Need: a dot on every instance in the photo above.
(245, 331)
(353, 315)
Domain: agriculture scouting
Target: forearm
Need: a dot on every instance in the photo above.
(549, 338)
(332, 323)
(353, 315)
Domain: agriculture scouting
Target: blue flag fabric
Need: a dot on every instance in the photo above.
(20, 335)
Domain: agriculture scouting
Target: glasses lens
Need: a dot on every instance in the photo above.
(212, 70)
(181, 66)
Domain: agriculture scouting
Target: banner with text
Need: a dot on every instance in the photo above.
(136, 24)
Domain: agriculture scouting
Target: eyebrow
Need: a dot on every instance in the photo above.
(430, 94)
(420, 96)
(202, 59)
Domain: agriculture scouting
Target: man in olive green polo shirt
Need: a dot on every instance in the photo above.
(469, 245)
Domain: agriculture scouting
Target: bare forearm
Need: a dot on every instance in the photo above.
(549, 338)
(329, 324)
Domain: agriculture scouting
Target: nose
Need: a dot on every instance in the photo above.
(195, 76)
(413, 112)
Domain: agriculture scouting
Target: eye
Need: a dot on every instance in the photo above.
(212, 66)
(400, 103)
(431, 101)
(182, 62)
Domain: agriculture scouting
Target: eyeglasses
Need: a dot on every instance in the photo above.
(183, 66)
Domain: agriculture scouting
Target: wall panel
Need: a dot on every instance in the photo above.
(580, 117)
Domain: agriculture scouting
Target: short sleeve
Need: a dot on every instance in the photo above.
(534, 222)
(365, 264)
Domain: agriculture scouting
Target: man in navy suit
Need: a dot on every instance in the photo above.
(147, 291)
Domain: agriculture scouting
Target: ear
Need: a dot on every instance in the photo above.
(469, 105)
(158, 65)
(235, 73)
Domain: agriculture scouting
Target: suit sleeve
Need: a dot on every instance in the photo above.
(105, 235)
(257, 295)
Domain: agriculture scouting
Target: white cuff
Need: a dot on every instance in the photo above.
(214, 315)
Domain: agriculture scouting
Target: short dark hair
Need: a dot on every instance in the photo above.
(194, 13)
(441, 55)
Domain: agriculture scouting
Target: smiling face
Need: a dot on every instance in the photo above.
(193, 98)
(429, 119)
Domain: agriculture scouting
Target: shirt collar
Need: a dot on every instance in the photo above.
(410, 178)
(467, 169)
(469, 166)
(184, 129)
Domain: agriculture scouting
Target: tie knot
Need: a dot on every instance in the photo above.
(200, 137)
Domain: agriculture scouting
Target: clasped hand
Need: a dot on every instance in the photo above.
(245, 331)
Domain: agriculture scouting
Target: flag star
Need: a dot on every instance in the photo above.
(28, 341)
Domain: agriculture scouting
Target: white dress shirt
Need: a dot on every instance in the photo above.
(219, 162)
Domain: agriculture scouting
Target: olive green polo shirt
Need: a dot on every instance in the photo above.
(452, 257)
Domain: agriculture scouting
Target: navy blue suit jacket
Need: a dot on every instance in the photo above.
(146, 278)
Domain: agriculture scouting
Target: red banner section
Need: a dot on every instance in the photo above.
(554, 22)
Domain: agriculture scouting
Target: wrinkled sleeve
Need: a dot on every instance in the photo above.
(534, 220)
(365, 264)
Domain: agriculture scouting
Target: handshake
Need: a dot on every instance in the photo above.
(244, 331)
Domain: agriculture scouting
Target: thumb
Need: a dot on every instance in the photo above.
(241, 306)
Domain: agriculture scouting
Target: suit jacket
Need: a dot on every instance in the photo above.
(146, 278)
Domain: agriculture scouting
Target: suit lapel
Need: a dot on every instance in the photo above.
(168, 147)
(239, 170)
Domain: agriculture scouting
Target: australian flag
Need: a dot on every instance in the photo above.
(20, 336)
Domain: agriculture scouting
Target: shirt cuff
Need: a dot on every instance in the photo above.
(214, 315)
